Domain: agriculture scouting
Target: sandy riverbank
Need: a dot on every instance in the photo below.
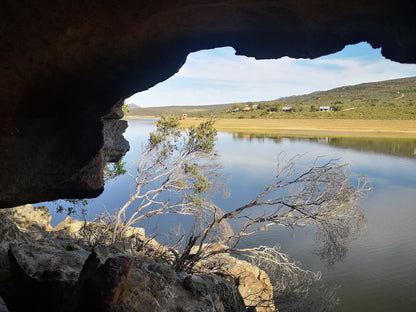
(315, 127)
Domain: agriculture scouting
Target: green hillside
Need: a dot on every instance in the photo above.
(391, 99)
(195, 111)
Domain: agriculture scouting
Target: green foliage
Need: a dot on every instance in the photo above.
(125, 109)
(202, 137)
(261, 106)
(240, 106)
(68, 247)
(337, 108)
(113, 170)
(199, 140)
(200, 183)
(175, 174)
(166, 128)
(71, 206)
(191, 169)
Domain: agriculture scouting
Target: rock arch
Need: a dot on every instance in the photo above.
(67, 65)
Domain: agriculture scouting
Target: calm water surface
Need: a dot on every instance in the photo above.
(379, 271)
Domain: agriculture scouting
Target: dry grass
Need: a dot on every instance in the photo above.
(316, 127)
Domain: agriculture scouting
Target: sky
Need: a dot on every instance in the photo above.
(218, 76)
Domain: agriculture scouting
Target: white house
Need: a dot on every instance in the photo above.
(286, 108)
(324, 108)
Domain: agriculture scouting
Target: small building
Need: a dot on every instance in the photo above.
(324, 108)
(235, 110)
(287, 108)
(246, 109)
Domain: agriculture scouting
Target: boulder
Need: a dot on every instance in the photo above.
(156, 287)
(24, 219)
(52, 269)
(100, 286)
(253, 283)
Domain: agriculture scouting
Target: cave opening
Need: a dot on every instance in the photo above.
(219, 76)
(66, 64)
(210, 73)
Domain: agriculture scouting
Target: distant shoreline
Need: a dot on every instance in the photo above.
(136, 117)
(311, 127)
(315, 127)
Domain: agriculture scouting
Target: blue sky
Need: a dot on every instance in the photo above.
(218, 76)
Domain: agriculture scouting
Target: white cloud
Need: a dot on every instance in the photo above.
(218, 76)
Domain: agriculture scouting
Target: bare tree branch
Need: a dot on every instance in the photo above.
(177, 173)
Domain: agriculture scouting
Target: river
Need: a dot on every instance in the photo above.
(379, 270)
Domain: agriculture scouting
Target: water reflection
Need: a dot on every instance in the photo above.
(390, 146)
(378, 272)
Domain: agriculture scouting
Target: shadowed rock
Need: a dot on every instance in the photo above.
(65, 64)
(50, 269)
(100, 286)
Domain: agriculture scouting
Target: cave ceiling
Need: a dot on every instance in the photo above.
(66, 67)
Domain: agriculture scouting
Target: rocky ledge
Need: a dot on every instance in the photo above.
(55, 269)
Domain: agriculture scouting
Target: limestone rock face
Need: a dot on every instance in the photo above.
(65, 64)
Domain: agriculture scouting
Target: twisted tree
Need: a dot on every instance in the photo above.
(178, 173)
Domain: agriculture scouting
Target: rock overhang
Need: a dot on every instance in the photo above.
(66, 65)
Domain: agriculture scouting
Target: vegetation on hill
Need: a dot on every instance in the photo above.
(192, 111)
(391, 99)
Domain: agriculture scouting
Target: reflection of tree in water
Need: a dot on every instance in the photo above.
(389, 146)
(257, 137)
(398, 147)
(304, 290)
(317, 297)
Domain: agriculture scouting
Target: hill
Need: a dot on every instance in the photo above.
(390, 99)
(196, 111)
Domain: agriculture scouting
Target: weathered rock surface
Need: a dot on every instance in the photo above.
(252, 283)
(52, 270)
(115, 145)
(155, 287)
(100, 286)
(65, 64)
